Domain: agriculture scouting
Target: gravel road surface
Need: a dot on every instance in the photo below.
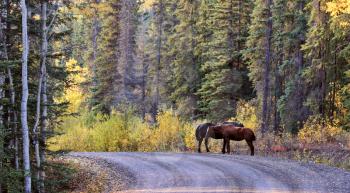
(191, 172)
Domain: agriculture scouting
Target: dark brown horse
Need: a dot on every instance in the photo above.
(230, 132)
(201, 131)
(200, 134)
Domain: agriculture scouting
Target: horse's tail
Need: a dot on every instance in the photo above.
(197, 133)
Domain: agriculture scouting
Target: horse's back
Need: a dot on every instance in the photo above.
(236, 124)
(239, 133)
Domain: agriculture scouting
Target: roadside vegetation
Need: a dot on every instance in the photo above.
(140, 75)
(325, 143)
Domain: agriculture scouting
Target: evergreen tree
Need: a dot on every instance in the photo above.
(222, 78)
(290, 105)
(185, 65)
(107, 75)
(259, 54)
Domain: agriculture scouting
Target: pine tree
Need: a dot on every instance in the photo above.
(126, 52)
(184, 61)
(222, 78)
(107, 74)
(259, 54)
(290, 105)
(317, 48)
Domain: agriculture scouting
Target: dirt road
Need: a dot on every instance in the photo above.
(185, 172)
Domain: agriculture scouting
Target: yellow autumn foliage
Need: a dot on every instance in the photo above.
(246, 114)
(74, 94)
(340, 12)
(124, 132)
(317, 130)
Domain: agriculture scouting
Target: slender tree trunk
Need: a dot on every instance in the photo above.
(277, 75)
(42, 91)
(193, 59)
(159, 48)
(333, 103)
(230, 35)
(39, 92)
(144, 69)
(141, 39)
(2, 126)
(44, 127)
(299, 68)
(144, 82)
(276, 121)
(267, 64)
(24, 122)
(2, 82)
(239, 32)
(14, 119)
(95, 33)
(36, 125)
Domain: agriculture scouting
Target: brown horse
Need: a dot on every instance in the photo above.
(201, 131)
(230, 132)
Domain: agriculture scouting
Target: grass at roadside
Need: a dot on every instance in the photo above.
(68, 175)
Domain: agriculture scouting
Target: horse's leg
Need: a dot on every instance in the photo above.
(223, 146)
(206, 143)
(228, 146)
(199, 145)
(251, 146)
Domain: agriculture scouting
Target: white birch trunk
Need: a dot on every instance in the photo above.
(24, 122)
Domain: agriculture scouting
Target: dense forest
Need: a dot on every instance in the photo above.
(105, 75)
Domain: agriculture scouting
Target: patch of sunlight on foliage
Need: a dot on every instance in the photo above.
(317, 130)
(36, 17)
(73, 94)
(147, 4)
(246, 113)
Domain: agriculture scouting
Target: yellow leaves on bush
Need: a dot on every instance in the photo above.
(124, 132)
(189, 136)
(167, 133)
(317, 130)
(246, 114)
